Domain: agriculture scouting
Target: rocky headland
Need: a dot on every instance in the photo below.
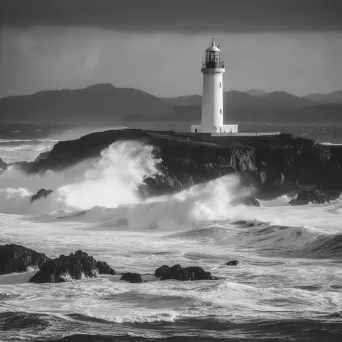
(271, 165)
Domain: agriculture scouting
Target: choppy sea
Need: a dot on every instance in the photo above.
(286, 287)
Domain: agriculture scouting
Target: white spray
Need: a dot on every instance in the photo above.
(114, 179)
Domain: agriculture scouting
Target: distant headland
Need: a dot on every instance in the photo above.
(109, 104)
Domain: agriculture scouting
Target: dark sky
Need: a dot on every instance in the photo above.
(185, 16)
(157, 45)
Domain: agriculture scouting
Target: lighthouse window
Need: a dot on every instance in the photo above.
(220, 111)
(220, 85)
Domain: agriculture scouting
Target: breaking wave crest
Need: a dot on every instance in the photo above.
(108, 187)
(104, 194)
(114, 179)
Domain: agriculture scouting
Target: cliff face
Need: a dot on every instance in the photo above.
(299, 162)
(274, 165)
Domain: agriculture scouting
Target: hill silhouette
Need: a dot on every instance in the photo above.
(334, 97)
(256, 92)
(104, 103)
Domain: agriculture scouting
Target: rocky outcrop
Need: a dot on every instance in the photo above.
(41, 193)
(75, 266)
(104, 268)
(161, 270)
(272, 165)
(313, 196)
(132, 277)
(177, 272)
(232, 263)
(16, 258)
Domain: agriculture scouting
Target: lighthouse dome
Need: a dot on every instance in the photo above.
(213, 47)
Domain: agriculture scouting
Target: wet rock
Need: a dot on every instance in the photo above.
(313, 196)
(177, 272)
(16, 258)
(75, 266)
(131, 277)
(232, 263)
(41, 193)
(159, 271)
(104, 268)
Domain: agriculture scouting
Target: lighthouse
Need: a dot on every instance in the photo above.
(212, 98)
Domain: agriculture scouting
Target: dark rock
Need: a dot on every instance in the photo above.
(16, 258)
(41, 193)
(74, 266)
(104, 268)
(159, 271)
(177, 272)
(232, 263)
(313, 196)
(132, 277)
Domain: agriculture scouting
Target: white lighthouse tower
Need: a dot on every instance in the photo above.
(212, 99)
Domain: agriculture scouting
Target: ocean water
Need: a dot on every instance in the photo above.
(286, 287)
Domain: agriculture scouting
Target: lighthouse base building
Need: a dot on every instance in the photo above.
(217, 130)
(212, 99)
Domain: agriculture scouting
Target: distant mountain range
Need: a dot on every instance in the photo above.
(100, 102)
(256, 92)
(263, 99)
(106, 103)
(335, 97)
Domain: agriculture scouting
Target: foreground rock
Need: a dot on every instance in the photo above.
(313, 196)
(16, 258)
(41, 193)
(75, 266)
(132, 277)
(232, 263)
(177, 272)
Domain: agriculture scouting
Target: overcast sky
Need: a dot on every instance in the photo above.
(157, 45)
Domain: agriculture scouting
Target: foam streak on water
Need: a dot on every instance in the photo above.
(287, 284)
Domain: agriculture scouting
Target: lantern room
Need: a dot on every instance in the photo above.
(211, 60)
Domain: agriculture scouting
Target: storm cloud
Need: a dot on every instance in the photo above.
(181, 16)
(157, 45)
